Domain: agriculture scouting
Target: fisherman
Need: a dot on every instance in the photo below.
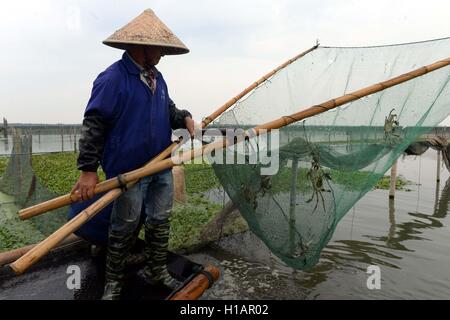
(127, 122)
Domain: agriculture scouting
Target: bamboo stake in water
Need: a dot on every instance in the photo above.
(393, 181)
(292, 205)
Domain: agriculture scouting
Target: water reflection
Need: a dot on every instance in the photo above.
(441, 203)
(414, 230)
(357, 255)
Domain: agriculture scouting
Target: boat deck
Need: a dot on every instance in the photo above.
(48, 279)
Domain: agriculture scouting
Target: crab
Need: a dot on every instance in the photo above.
(316, 176)
(250, 194)
(390, 126)
(266, 184)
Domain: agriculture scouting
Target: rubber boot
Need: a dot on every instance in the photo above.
(156, 251)
(136, 254)
(118, 247)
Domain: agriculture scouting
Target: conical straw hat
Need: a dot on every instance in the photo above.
(146, 29)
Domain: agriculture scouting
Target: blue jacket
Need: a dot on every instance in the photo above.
(125, 125)
(138, 121)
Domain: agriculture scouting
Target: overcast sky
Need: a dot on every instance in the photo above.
(52, 50)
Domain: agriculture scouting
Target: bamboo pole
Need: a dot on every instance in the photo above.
(41, 249)
(292, 205)
(28, 259)
(13, 255)
(333, 103)
(263, 79)
(392, 225)
(5, 129)
(393, 180)
(195, 288)
(104, 186)
(179, 184)
(62, 139)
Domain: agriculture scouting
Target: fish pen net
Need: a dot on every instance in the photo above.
(326, 163)
(20, 188)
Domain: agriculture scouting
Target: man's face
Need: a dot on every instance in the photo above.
(152, 55)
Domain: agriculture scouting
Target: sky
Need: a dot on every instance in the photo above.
(51, 50)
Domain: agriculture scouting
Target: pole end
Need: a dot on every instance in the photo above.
(16, 270)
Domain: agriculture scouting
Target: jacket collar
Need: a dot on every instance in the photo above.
(130, 64)
(133, 67)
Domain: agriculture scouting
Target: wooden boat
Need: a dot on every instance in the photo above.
(51, 279)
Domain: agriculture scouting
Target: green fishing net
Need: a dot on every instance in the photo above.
(20, 188)
(329, 161)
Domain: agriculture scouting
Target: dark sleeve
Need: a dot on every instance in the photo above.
(92, 141)
(177, 116)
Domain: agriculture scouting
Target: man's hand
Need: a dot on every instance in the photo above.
(85, 185)
(190, 125)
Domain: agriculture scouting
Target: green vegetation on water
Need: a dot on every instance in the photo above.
(200, 178)
(3, 163)
(63, 174)
(187, 221)
(401, 183)
(348, 180)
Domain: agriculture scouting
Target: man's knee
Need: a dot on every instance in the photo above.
(127, 211)
(124, 227)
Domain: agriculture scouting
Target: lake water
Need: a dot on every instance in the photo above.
(408, 239)
(43, 143)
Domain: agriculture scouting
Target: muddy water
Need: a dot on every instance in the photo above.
(408, 239)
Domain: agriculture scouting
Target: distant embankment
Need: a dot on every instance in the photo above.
(42, 128)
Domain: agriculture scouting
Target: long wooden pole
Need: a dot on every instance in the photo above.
(41, 249)
(333, 103)
(104, 186)
(13, 255)
(263, 79)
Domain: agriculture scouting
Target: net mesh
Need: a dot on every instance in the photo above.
(20, 188)
(329, 161)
